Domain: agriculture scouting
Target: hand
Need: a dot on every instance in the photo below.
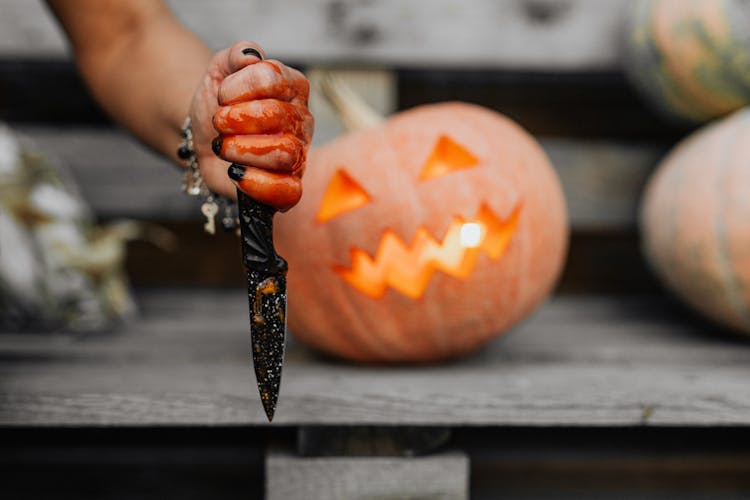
(259, 108)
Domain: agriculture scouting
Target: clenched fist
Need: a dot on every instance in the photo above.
(258, 107)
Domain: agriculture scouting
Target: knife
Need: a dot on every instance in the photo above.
(266, 290)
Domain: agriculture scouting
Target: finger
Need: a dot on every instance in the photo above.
(301, 85)
(282, 191)
(243, 54)
(267, 79)
(265, 116)
(283, 153)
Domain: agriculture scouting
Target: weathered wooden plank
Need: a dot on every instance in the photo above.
(530, 34)
(28, 29)
(441, 477)
(591, 361)
(120, 178)
(590, 105)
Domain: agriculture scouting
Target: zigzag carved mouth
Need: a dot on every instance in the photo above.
(408, 269)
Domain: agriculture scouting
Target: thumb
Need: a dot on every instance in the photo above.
(238, 56)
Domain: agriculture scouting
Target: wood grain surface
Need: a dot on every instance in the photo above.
(585, 361)
(560, 34)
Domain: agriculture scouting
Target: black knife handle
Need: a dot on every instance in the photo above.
(256, 226)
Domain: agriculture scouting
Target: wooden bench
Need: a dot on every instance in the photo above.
(610, 389)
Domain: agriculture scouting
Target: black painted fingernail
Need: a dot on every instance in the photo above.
(216, 145)
(252, 52)
(236, 172)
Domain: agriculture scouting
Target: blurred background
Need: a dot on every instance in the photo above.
(554, 67)
(591, 80)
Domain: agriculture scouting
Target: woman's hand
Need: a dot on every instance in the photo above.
(259, 108)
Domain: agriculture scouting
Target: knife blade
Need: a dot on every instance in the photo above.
(266, 289)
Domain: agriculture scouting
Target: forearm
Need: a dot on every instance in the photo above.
(147, 82)
(143, 67)
(149, 73)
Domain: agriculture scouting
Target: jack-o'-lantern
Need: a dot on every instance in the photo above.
(423, 237)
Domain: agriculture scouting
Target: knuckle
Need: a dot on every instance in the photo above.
(289, 153)
(249, 77)
(274, 78)
(219, 118)
(224, 93)
(304, 84)
(296, 148)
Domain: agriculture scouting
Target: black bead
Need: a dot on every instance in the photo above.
(184, 153)
(228, 223)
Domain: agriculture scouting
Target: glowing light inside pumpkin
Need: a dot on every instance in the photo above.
(471, 235)
(409, 268)
(342, 195)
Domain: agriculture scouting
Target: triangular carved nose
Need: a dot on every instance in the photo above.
(447, 157)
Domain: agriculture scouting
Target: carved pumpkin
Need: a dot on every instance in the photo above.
(696, 221)
(691, 57)
(422, 238)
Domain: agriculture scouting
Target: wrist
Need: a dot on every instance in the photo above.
(193, 185)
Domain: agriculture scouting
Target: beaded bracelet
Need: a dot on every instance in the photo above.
(193, 185)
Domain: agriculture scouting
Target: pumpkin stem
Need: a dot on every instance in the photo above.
(354, 112)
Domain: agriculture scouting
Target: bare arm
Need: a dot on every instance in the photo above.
(141, 65)
(149, 72)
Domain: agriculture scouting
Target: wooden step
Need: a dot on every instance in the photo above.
(580, 361)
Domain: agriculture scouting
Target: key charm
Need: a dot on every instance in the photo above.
(210, 209)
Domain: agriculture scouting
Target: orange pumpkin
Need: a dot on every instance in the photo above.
(422, 238)
(696, 221)
(691, 57)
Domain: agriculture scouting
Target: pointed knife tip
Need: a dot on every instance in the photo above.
(269, 413)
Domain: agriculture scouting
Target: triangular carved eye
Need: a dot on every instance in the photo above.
(447, 157)
(343, 194)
